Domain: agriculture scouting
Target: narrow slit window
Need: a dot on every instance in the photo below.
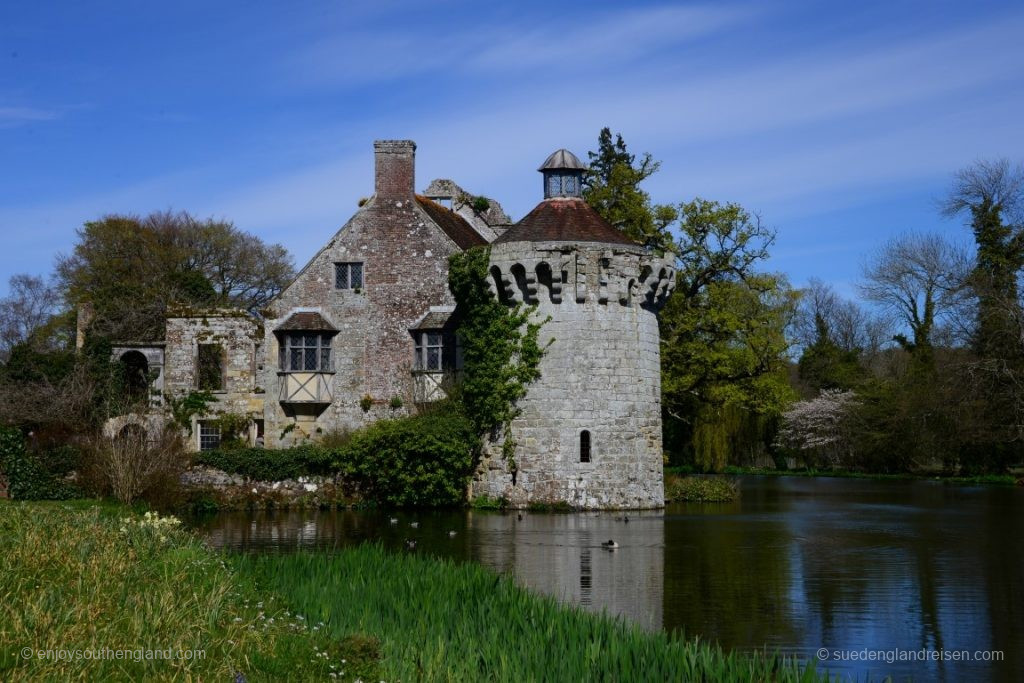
(584, 446)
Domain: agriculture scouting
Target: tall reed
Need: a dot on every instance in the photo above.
(442, 621)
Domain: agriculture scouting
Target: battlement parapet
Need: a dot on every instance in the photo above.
(580, 272)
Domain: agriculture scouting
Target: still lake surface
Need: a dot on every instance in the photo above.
(796, 564)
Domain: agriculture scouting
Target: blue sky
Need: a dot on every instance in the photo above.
(840, 123)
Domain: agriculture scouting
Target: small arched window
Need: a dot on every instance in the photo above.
(584, 446)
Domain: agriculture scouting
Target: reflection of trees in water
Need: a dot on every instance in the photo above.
(287, 529)
(853, 565)
(796, 564)
(727, 578)
(1002, 575)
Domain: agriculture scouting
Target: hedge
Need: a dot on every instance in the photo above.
(28, 475)
(416, 461)
(270, 465)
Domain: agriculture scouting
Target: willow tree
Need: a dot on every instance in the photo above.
(723, 330)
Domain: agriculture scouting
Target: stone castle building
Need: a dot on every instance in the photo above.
(366, 331)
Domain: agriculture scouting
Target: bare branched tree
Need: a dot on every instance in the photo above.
(997, 183)
(133, 461)
(918, 279)
(29, 305)
(992, 192)
(848, 325)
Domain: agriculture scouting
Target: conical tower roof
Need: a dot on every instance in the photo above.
(564, 220)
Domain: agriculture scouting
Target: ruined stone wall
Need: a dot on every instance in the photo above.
(601, 374)
(240, 338)
(154, 355)
(405, 272)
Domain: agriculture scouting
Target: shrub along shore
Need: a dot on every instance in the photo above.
(89, 577)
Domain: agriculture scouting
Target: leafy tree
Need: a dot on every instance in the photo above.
(132, 269)
(612, 187)
(723, 330)
(992, 194)
(826, 365)
(726, 345)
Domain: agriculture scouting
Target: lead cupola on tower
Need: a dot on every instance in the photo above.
(563, 175)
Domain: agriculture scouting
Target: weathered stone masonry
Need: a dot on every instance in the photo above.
(403, 243)
(239, 339)
(601, 374)
(336, 348)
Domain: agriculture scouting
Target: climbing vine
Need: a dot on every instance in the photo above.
(500, 348)
(184, 408)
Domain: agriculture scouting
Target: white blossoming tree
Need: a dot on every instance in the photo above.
(815, 428)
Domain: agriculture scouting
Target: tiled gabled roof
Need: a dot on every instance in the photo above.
(563, 220)
(454, 225)
(308, 321)
(434, 320)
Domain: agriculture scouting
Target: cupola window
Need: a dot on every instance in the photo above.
(563, 175)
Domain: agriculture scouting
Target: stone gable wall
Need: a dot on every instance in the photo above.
(405, 272)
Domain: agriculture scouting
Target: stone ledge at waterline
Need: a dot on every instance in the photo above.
(216, 488)
(206, 486)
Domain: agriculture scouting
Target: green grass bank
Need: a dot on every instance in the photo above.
(438, 620)
(81, 576)
(98, 593)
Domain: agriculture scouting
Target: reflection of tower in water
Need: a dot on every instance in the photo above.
(561, 555)
(586, 577)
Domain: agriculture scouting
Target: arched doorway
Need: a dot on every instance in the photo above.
(132, 432)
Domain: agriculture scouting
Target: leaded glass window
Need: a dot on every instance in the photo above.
(348, 275)
(306, 352)
(562, 184)
(435, 351)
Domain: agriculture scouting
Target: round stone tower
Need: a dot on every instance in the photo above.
(589, 431)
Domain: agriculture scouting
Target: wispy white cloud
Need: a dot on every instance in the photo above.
(16, 116)
(571, 46)
(788, 133)
(613, 37)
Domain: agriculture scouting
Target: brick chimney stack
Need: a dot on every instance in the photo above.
(395, 176)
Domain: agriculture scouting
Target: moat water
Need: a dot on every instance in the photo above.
(876, 569)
